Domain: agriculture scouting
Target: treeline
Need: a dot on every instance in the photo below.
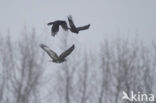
(86, 77)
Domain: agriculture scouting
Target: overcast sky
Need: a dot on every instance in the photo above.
(108, 18)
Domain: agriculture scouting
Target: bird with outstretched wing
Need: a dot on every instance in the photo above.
(55, 26)
(75, 29)
(55, 58)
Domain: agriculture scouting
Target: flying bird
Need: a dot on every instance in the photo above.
(75, 29)
(55, 58)
(55, 26)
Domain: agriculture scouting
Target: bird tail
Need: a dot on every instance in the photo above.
(51, 23)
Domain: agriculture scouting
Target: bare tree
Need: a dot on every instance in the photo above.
(84, 78)
(22, 69)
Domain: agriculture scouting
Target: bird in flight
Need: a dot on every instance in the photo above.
(75, 29)
(55, 26)
(55, 58)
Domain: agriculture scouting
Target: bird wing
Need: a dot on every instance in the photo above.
(64, 25)
(67, 52)
(50, 23)
(54, 29)
(71, 23)
(51, 53)
(83, 27)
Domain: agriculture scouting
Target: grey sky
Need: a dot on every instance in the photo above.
(107, 17)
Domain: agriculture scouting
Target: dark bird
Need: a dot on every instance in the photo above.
(55, 26)
(54, 56)
(75, 29)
